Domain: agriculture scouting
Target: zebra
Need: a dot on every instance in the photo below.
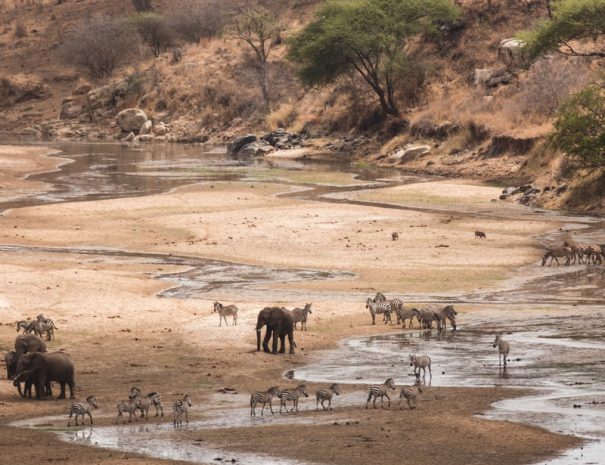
(377, 308)
(379, 297)
(326, 394)
(263, 398)
(181, 407)
(556, 253)
(82, 408)
(446, 313)
(144, 403)
(404, 313)
(503, 348)
(426, 316)
(421, 362)
(410, 393)
(293, 395)
(129, 407)
(595, 254)
(225, 311)
(578, 252)
(45, 325)
(28, 327)
(300, 315)
(381, 391)
(396, 306)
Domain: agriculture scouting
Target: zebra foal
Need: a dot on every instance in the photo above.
(82, 408)
(224, 311)
(129, 407)
(264, 398)
(326, 395)
(292, 395)
(410, 394)
(180, 408)
(421, 362)
(503, 348)
(301, 315)
(377, 308)
(381, 391)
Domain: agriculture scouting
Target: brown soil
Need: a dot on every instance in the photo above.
(119, 333)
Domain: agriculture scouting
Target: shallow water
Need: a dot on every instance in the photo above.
(560, 356)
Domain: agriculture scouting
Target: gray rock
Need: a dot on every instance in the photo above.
(131, 119)
(409, 152)
(146, 128)
(144, 138)
(510, 191)
(31, 132)
(160, 129)
(257, 148)
(492, 77)
(71, 110)
(129, 137)
(511, 53)
(525, 188)
(106, 96)
(503, 197)
(237, 144)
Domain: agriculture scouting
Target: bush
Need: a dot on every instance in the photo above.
(154, 31)
(195, 20)
(99, 45)
(580, 127)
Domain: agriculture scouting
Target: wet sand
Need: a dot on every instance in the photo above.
(120, 332)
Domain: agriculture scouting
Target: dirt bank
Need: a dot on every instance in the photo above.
(120, 333)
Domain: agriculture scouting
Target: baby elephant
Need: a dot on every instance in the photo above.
(480, 235)
(395, 236)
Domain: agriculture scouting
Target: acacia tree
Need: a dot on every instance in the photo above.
(367, 37)
(571, 21)
(580, 127)
(260, 29)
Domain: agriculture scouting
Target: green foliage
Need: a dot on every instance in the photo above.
(580, 127)
(369, 37)
(154, 31)
(571, 20)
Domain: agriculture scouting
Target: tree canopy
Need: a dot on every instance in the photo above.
(368, 37)
(580, 127)
(572, 20)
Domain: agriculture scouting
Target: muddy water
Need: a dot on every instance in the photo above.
(546, 349)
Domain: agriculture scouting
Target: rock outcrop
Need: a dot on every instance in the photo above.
(492, 77)
(20, 88)
(131, 119)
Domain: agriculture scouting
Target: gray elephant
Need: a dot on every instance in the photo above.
(9, 361)
(280, 323)
(42, 368)
(23, 344)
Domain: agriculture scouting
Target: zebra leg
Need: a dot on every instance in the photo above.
(271, 408)
(389, 399)
(373, 318)
(330, 404)
(69, 420)
(317, 404)
(430, 373)
(369, 397)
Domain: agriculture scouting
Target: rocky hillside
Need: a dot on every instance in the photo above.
(473, 111)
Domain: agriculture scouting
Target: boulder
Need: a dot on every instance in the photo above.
(282, 139)
(146, 128)
(409, 152)
(256, 148)
(510, 191)
(106, 96)
(238, 143)
(492, 77)
(71, 110)
(65, 133)
(503, 196)
(129, 137)
(21, 87)
(511, 53)
(525, 188)
(143, 138)
(131, 119)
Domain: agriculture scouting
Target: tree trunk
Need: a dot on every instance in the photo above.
(264, 87)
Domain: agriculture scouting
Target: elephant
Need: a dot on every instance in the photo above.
(9, 361)
(280, 323)
(23, 344)
(42, 368)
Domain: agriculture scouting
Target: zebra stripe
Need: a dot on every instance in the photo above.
(181, 407)
(292, 395)
(381, 391)
(82, 409)
(301, 315)
(264, 398)
(224, 311)
(378, 308)
(126, 407)
(326, 395)
(410, 394)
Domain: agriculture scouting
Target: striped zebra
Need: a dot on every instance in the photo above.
(426, 316)
(144, 403)
(28, 327)
(556, 253)
(377, 308)
(264, 398)
(595, 254)
(301, 315)
(421, 362)
(442, 315)
(410, 394)
(82, 408)
(293, 395)
(181, 407)
(381, 391)
(129, 407)
(224, 311)
(396, 306)
(326, 395)
(45, 325)
(503, 348)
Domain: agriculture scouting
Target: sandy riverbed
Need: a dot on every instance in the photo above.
(120, 333)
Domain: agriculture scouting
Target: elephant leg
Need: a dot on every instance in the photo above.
(62, 394)
(291, 341)
(72, 388)
(266, 340)
(274, 342)
(282, 344)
